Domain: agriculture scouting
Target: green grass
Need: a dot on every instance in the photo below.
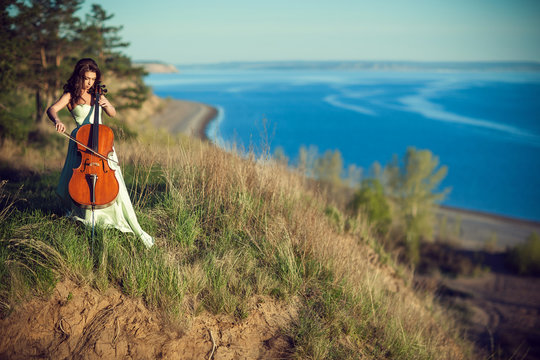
(227, 230)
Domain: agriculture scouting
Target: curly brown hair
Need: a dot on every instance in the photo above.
(74, 84)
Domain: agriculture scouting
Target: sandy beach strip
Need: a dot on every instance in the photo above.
(185, 117)
(477, 229)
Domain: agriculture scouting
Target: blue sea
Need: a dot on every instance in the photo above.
(485, 126)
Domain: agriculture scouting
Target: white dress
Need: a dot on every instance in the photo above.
(120, 213)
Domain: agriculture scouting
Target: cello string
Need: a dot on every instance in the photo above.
(87, 148)
(93, 231)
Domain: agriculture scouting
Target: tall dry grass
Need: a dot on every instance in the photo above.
(231, 226)
(274, 211)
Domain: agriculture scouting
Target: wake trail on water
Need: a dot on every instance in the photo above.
(430, 110)
(421, 104)
(333, 100)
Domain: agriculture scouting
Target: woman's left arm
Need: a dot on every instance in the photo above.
(107, 106)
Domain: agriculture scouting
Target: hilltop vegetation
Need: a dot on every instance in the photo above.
(398, 201)
(229, 230)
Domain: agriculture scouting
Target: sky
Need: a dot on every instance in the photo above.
(212, 31)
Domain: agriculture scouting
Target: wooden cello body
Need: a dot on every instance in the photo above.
(93, 184)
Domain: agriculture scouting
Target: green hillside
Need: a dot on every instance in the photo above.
(231, 231)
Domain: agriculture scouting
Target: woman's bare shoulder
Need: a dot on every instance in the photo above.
(65, 100)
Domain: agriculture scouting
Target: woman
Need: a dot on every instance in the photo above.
(79, 101)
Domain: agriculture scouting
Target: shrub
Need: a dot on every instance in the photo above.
(370, 200)
(525, 258)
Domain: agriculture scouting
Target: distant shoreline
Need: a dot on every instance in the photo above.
(186, 117)
(205, 122)
(365, 65)
(494, 216)
(477, 228)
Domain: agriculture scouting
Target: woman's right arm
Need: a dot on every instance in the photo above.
(52, 112)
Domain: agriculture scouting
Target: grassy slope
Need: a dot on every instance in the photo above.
(227, 228)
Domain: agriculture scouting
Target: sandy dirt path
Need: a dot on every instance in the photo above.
(503, 312)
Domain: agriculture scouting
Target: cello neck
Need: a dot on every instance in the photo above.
(95, 126)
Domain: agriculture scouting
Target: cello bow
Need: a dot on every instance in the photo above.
(89, 149)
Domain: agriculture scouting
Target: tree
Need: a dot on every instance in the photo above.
(353, 177)
(48, 30)
(10, 48)
(100, 40)
(412, 186)
(280, 157)
(42, 39)
(104, 43)
(328, 168)
(306, 160)
(371, 201)
(11, 51)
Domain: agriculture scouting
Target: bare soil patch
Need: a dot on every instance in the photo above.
(503, 312)
(78, 322)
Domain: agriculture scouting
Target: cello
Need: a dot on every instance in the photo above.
(93, 184)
